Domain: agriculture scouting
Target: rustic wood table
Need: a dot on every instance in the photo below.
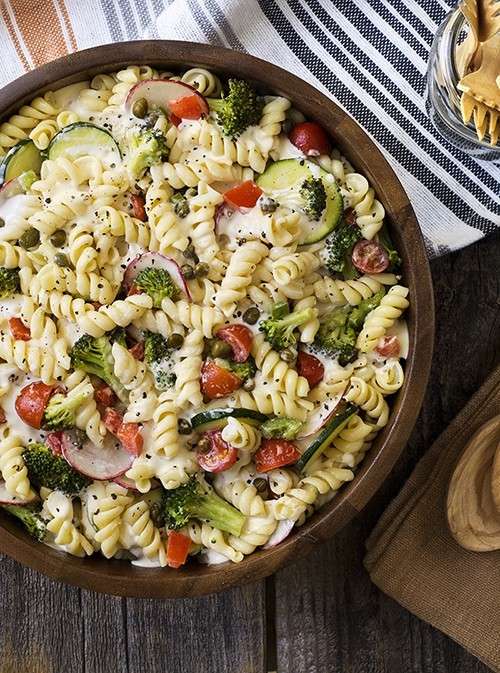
(321, 615)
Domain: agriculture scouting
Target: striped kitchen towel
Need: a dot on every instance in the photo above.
(368, 55)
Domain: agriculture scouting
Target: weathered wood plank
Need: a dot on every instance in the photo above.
(215, 634)
(330, 618)
(104, 633)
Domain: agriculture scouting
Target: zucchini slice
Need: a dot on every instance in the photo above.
(23, 157)
(287, 176)
(325, 436)
(82, 139)
(213, 419)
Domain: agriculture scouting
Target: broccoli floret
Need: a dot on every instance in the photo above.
(145, 148)
(339, 247)
(46, 469)
(157, 283)
(385, 241)
(281, 333)
(313, 194)
(238, 109)
(283, 428)
(9, 282)
(339, 329)
(60, 412)
(94, 356)
(155, 347)
(198, 500)
(164, 379)
(244, 370)
(181, 205)
(118, 335)
(30, 517)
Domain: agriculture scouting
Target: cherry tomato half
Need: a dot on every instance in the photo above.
(310, 138)
(217, 382)
(244, 195)
(105, 396)
(239, 337)
(178, 546)
(189, 107)
(19, 330)
(32, 401)
(274, 453)
(220, 456)
(310, 367)
(369, 257)
(137, 202)
(389, 346)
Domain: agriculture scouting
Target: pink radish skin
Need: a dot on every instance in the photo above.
(7, 498)
(159, 261)
(126, 483)
(319, 419)
(107, 462)
(159, 92)
(283, 530)
(10, 189)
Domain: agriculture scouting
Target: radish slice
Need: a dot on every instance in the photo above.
(320, 416)
(7, 498)
(159, 92)
(11, 188)
(283, 530)
(126, 483)
(107, 462)
(158, 260)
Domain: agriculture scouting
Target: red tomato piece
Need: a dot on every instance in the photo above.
(389, 346)
(129, 435)
(310, 367)
(244, 195)
(217, 382)
(105, 396)
(189, 107)
(19, 330)
(274, 453)
(178, 546)
(370, 257)
(112, 420)
(175, 120)
(137, 201)
(3, 417)
(220, 455)
(239, 337)
(54, 440)
(310, 138)
(32, 401)
(137, 350)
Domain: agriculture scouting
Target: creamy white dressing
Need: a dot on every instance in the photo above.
(10, 307)
(284, 149)
(14, 211)
(243, 223)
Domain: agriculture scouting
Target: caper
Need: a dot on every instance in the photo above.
(187, 271)
(175, 340)
(58, 238)
(249, 385)
(288, 355)
(189, 253)
(220, 349)
(223, 240)
(181, 208)
(30, 238)
(251, 315)
(260, 484)
(204, 445)
(267, 204)
(184, 426)
(201, 270)
(61, 259)
(2, 222)
(140, 108)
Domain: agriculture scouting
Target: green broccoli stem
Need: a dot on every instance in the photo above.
(30, 519)
(218, 513)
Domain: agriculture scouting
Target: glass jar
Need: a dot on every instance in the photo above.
(442, 97)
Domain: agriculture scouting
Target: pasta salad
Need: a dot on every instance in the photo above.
(201, 318)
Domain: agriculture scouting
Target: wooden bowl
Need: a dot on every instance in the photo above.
(121, 578)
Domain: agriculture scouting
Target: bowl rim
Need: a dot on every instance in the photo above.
(123, 579)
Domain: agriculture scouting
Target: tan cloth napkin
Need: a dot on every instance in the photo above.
(413, 558)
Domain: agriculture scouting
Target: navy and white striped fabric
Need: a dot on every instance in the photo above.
(371, 57)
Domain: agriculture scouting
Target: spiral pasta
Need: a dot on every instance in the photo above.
(58, 509)
(239, 275)
(241, 435)
(188, 369)
(273, 368)
(105, 504)
(138, 530)
(165, 437)
(379, 320)
(364, 395)
(87, 416)
(12, 466)
(353, 291)
(20, 125)
(135, 377)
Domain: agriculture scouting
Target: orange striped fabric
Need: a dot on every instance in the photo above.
(39, 32)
